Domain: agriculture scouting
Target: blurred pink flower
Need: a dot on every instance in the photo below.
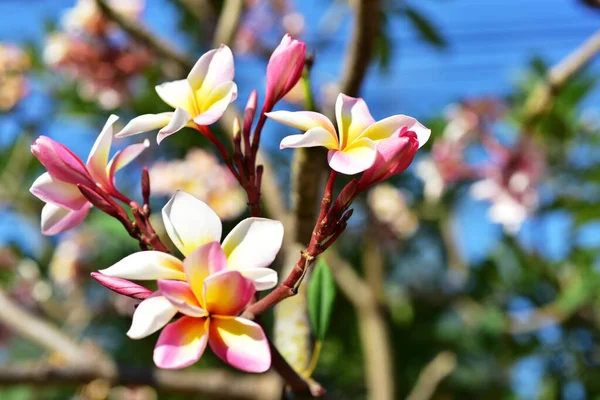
(390, 208)
(201, 175)
(14, 63)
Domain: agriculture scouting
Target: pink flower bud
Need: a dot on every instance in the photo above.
(61, 163)
(122, 286)
(284, 69)
(394, 155)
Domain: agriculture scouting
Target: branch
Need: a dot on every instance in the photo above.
(210, 384)
(229, 21)
(138, 32)
(439, 368)
(373, 331)
(541, 97)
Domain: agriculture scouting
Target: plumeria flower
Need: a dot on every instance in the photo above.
(210, 301)
(353, 148)
(65, 206)
(201, 99)
(190, 223)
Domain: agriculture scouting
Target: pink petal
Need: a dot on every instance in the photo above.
(122, 286)
(181, 117)
(303, 120)
(125, 156)
(212, 69)
(60, 162)
(202, 262)
(181, 296)
(56, 220)
(98, 158)
(353, 117)
(387, 127)
(59, 193)
(240, 343)
(227, 293)
(355, 159)
(213, 107)
(312, 138)
(284, 69)
(181, 343)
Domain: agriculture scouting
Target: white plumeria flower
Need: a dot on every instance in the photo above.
(200, 99)
(190, 223)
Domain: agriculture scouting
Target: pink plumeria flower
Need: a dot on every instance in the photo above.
(200, 99)
(65, 206)
(190, 223)
(210, 302)
(353, 148)
(284, 69)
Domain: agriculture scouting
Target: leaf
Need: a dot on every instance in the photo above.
(321, 294)
(427, 31)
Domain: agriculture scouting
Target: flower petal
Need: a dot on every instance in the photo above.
(122, 286)
(151, 315)
(204, 261)
(178, 121)
(254, 242)
(389, 126)
(303, 120)
(177, 94)
(181, 296)
(147, 265)
(145, 123)
(56, 219)
(98, 158)
(181, 343)
(353, 117)
(212, 69)
(213, 106)
(263, 278)
(312, 138)
(57, 192)
(60, 162)
(354, 159)
(125, 156)
(227, 293)
(240, 343)
(190, 222)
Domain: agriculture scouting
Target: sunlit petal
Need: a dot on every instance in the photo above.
(263, 278)
(145, 123)
(240, 343)
(254, 242)
(355, 159)
(204, 261)
(213, 106)
(387, 127)
(56, 219)
(57, 192)
(181, 343)
(181, 296)
(98, 158)
(178, 121)
(125, 156)
(147, 265)
(212, 69)
(312, 138)
(177, 94)
(227, 293)
(303, 120)
(151, 315)
(190, 222)
(353, 117)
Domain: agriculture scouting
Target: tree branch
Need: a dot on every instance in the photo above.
(229, 21)
(439, 368)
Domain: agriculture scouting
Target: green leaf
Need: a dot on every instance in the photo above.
(321, 294)
(426, 30)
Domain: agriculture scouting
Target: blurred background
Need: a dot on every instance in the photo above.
(474, 275)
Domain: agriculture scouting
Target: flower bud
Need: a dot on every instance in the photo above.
(122, 286)
(61, 163)
(284, 69)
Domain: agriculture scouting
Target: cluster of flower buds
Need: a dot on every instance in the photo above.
(214, 286)
(90, 51)
(14, 63)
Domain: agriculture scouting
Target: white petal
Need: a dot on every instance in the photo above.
(190, 222)
(56, 219)
(59, 193)
(263, 278)
(145, 123)
(147, 265)
(303, 120)
(178, 121)
(312, 138)
(98, 158)
(151, 315)
(253, 243)
(177, 94)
